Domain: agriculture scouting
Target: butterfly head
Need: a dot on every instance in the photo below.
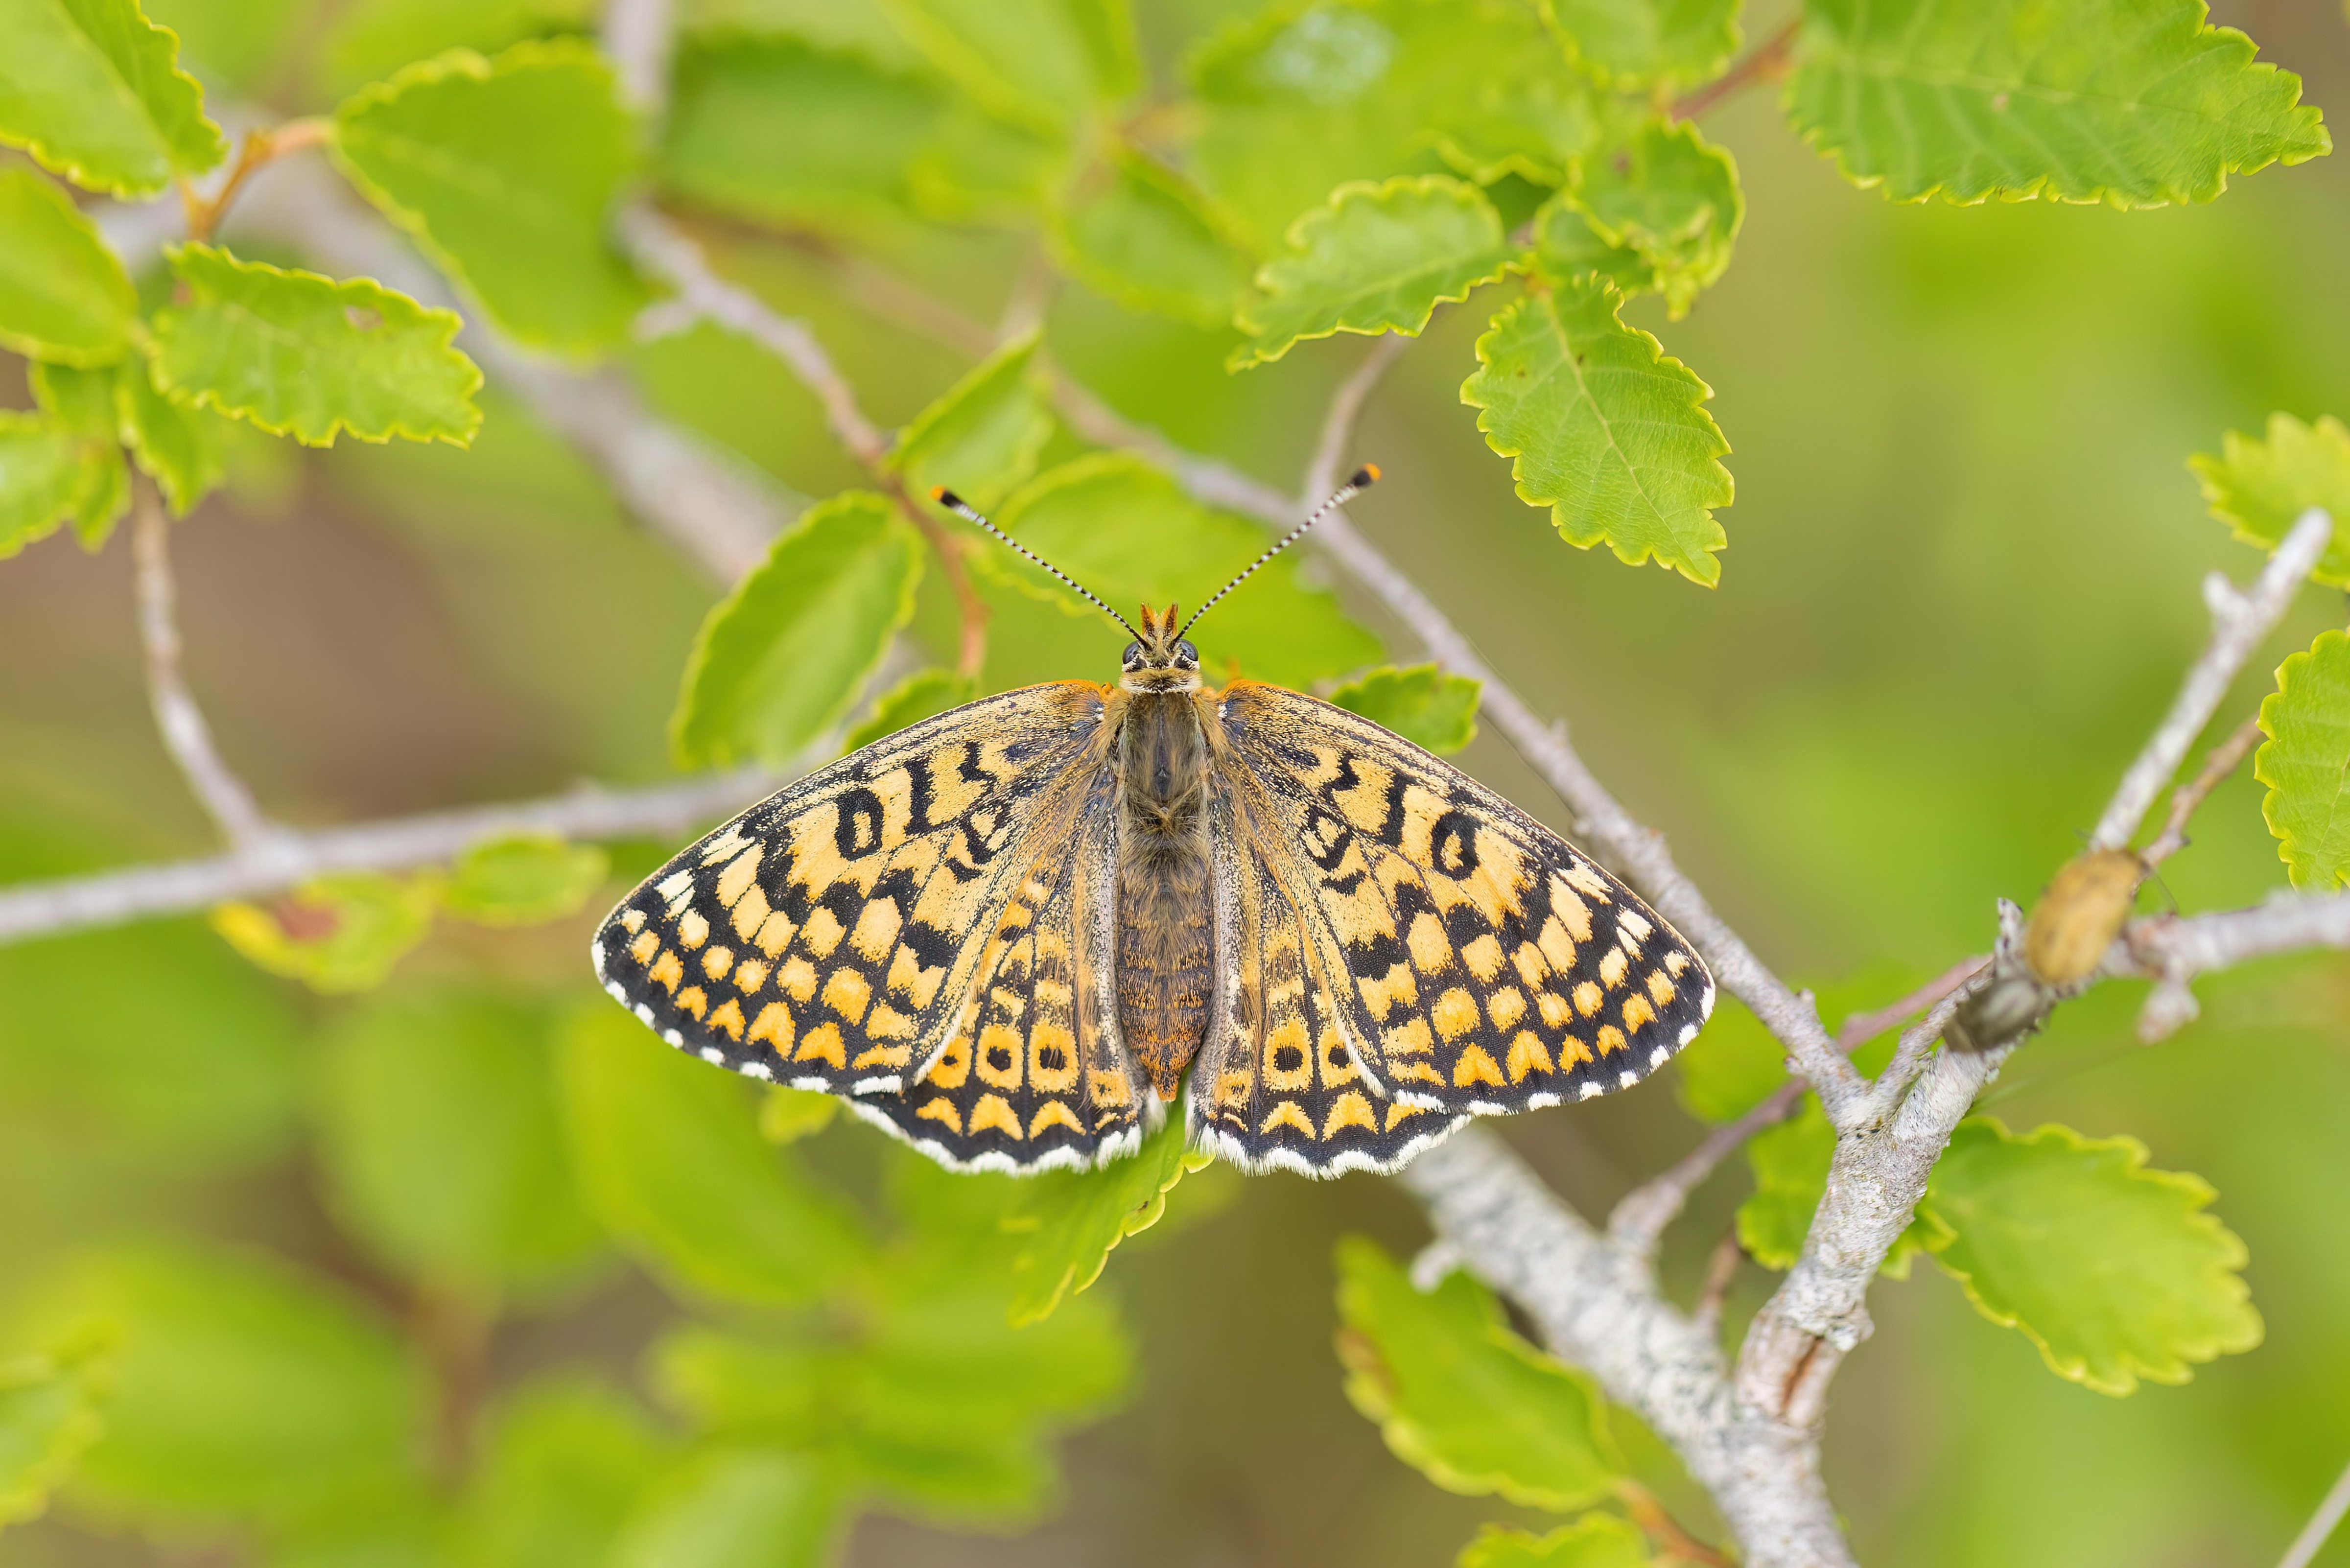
(1160, 659)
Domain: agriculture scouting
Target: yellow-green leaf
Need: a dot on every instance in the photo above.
(911, 701)
(303, 355)
(2305, 763)
(1639, 43)
(1420, 702)
(1070, 1220)
(93, 90)
(62, 295)
(524, 879)
(1136, 232)
(1604, 428)
(52, 1407)
(2259, 487)
(1595, 1541)
(1044, 64)
(336, 933)
(983, 434)
(788, 1115)
(174, 445)
(1662, 190)
(48, 473)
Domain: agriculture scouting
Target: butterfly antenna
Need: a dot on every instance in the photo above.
(961, 508)
(1362, 479)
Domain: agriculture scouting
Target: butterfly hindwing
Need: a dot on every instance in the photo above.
(825, 935)
(1492, 967)
(1032, 1078)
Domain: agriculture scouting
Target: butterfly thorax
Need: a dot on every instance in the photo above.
(1164, 913)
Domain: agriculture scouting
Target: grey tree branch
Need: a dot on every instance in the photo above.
(640, 37)
(186, 734)
(2174, 949)
(292, 856)
(2321, 1526)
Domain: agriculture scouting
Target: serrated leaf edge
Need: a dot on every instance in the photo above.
(66, 169)
(2271, 804)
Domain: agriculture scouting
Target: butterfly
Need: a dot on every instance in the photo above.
(1014, 933)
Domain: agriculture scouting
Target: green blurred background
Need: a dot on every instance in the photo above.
(1961, 583)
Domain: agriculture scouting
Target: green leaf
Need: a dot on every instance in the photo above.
(780, 659)
(1605, 428)
(303, 354)
(788, 1115)
(1642, 42)
(1043, 64)
(911, 701)
(1790, 1162)
(241, 1387)
(2133, 102)
(524, 879)
(1461, 1398)
(1671, 197)
(369, 40)
(444, 1147)
(1136, 233)
(1129, 533)
(1595, 1541)
(565, 1465)
(983, 434)
(1071, 1221)
(2261, 488)
(734, 1508)
(52, 1408)
(47, 474)
(93, 90)
(2305, 763)
(2114, 1270)
(403, 1525)
(336, 933)
(507, 172)
(92, 475)
(1372, 259)
(241, 44)
(1419, 701)
(82, 401)
(673, 1163)
(1568, 246)
(1733, 1065)
(776, 130)
(174, 445)
(62, 295)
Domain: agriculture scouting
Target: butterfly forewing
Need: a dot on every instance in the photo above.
(826, 937)
(1491, 966)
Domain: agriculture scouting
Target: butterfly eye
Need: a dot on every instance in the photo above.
(1132, 656)
(1186, 655)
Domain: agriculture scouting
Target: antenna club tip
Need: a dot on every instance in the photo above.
(1364, 476)
(944, 497)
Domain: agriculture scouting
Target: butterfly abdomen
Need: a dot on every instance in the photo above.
(1164, 926)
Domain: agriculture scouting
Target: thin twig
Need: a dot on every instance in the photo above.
(258, 148)
(2189, 798)
(1346, 411)
(640, 37)
(1721, 1271)
(186, 734)
(2320, 1528)
(1863, 1027)
(1649, 1511)
(2240, 619)
(1767, 62)
(393, 844)
(2174, 949)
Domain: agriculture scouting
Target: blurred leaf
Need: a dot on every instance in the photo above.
(2114, 1270)
(981, 437)
(736, 1508)
(197, 1064)
(296, 353)
(2132, 103)
(1790, 1162)
(671, 1161)
(47, 474)
(371, 39)
(779, 132)
(1459, 1396)
(911, 701)
(52, 1408)
(1731, 1066)
(1373, 259)
(80, 400)
(2261, 488)
(1039, 63)
(174, 445)
(2305, 763)
(93, 476)
(338, 932)
(1136, 234)
(243, 1388)
(1604, 428)
(1669, 196)
(1568, 246)
(780, 659)
(92, 90)
(1639, 43)
(524, 879)
(444, 1146)
(857, 27)
(975, 168)
(1070, 1220)
(507, 172)
(1420, 702)
(238, 45)
(788, 1115)
(1129, 533)
(62, 295)
(566, 1463)
(1595, 1541)
(398, 1526)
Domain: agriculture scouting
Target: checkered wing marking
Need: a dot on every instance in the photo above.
(1031, 1079)
(1278, 1085)
(831, 935)
(1495, 967)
